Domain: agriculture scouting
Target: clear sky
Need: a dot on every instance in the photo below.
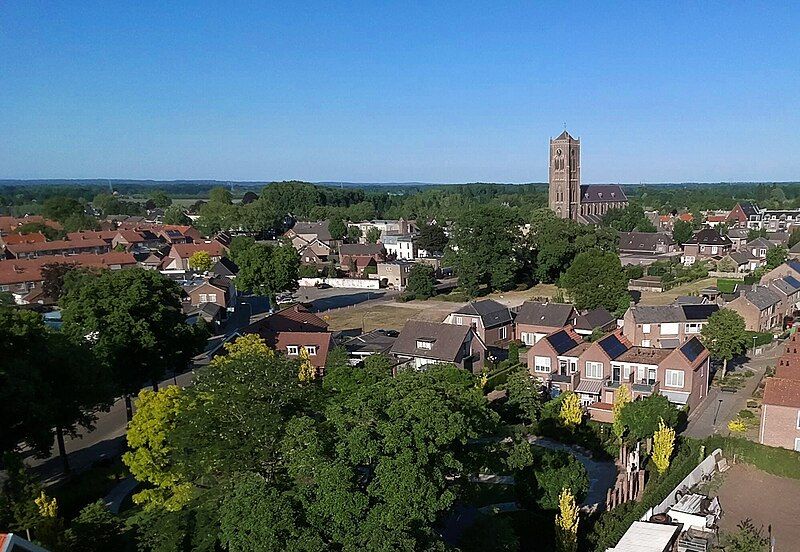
(379, 91)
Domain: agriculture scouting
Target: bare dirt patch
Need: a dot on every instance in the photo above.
(747, 492)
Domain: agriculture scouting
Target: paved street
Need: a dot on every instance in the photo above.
(701, 422)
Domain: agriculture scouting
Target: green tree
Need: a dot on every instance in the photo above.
(682, 231)
(524, 395)
(486, 240)
(432, 238)
(175, 214)
(621, 397)
(238, 245)
(571, 413)
(373, 235)
(552, 470)
(60, 208)
(267, 270)
(747, 538)
(724, 336)
(641, 418)
(755, 233)
(95, 529)
(596, 279)
(776, 256)
(160, 199)
(421, 282)
(134, 322)
(200, 261)
(353, 234)
(33, 227)
(337, 229)
(490, 533)
(628, 219)
(219, 213)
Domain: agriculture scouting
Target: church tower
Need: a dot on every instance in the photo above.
(565, 176)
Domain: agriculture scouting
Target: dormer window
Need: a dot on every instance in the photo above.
(425, 343)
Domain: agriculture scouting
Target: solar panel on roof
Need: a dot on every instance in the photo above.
(699, 312)
(792, 281)
(612, 346)
(692, 349)
(562, 342)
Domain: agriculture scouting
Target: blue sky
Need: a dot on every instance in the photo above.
(379, 91)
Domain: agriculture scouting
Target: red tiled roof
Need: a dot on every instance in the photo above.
(15, 271)
(55, 245)
(10, 224)
(291, 319)
(185, 250)
(107, 235)
(782, 392)
(13, 239)
(321, 340)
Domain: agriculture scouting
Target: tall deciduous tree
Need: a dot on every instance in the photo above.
(421, 282)
(525, 395)
(567, 522)
(641, 418)
(663, 444)
(373, 235)
(724, 336)
(337, 229)
(175, 214)
(776, 256)
(133, 320)
(596, 279)
(682, 231)
(266, 269)
(432, 238)
(53, 276)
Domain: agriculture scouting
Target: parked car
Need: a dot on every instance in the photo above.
(322, 285)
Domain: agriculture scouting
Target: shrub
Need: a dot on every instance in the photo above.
(552, 470)
(777, 461)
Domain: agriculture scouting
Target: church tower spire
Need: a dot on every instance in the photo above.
(565, 176)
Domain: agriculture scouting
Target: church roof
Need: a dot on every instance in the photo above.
(599, 193)
(565, 136)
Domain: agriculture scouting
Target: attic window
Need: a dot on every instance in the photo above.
(600, 194)
(425, 343)
(613, 194)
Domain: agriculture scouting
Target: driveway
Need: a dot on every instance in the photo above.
(702, 421)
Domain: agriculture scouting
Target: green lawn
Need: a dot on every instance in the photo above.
(727, 285)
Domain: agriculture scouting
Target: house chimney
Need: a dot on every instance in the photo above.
(755, 286)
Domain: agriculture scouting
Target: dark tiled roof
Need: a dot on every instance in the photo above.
(741, 257)
(748, 208)
(319, 228)
(644, 241)
(598, 193)
(491, 312)
(376, 341)
(445, 340)
(225, 267)
(363, 249)
(648, 314)
(554, 315)
(762, 297)
(596, 318)
(565, 136)
(709, 236)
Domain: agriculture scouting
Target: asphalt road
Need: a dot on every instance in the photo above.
(322, 300)
(106, 441)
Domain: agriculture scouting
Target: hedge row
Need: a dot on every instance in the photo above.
(777, 461)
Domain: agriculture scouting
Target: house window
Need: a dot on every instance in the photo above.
(693, 327)
(797, 444)
(594, 370)
(670, 328)
(673, 378)
(503, 332)
(459, 321)
(528, 338)
(204, 298)
(645, 342)
(292, 350)
(311, 350)
(645, 328)
(424, 344)
(212, 297)
(541, 364)
(713, 249)
(798, 419)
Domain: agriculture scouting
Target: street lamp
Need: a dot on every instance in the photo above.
(754, 345)
(717, 412)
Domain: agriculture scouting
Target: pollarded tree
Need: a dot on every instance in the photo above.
(596, 279)
(133, 320)
(724, 336)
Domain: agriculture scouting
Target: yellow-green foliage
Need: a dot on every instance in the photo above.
(149, 455)
(737, 425)
(567, 522)
(200, 260)
(48, 508)
(307, 370)
(621, 398)
(571, 412)
(247, 346)
(663, 444)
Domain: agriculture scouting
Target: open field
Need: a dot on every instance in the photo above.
(667, 297)
(387, 315)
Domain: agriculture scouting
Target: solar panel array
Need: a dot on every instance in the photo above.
(692, 349)
(699, 312)
(792, 281)
(612, 346)
(562, 342)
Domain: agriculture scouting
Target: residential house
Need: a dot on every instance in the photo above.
(400, 247)
(705, 244)
(745, 215)
(225, 267)
(394, 274)
(218, 290)
(780, 220)
(788, 288)
(355, 257)
(420, 344)
(780, 409)
(315, 253)
(211, 313)
(760, 306)
(19, 276)
(13, 239)
(666, 223)
(738, 236)
(562, 361)
(595, 319)
(180, 253)
(758, 247)
(376, 342)
(665, 326)
(534, 320)
(387, 227)
(10, 225)
(56, 247)
(646, 243)
(492, 321)
(741, 262)
(303, 233)
(295, 318)
(789, 268)
(316, 345)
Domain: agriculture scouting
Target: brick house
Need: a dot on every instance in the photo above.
(535, 320)
(492, 321)
(789, 268)
(394, 274)
(315, 253)
(760, 307)
(665, 326)
(422, 343)
(745, 214)
(705, 244)
(355, 257)
(316, 344)
(646, 242)
(180, 253)
(563, 362)
(303, 233)
(13, 239)
(218, 290)
(57, 247)
(780, 411)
